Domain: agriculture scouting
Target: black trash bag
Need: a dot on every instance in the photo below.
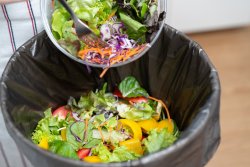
(176, 70)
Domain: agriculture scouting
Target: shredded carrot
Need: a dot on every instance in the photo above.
(111, 15)
(86, 127)
(105, 53)
(104, 72)
(133, 52)
(165, 107)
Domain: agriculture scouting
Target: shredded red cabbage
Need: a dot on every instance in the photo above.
(112, 34)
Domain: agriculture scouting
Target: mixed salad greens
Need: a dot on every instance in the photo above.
(103, 127)
(125, 25)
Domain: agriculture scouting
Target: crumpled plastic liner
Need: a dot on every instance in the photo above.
(176, 70)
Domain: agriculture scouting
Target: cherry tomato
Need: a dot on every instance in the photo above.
(82, 153)
(141, 99)
(61, 112)
(118, 93)
(138, 99)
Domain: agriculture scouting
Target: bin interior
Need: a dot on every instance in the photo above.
(175, 70)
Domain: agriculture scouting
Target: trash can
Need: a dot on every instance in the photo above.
(175, 70)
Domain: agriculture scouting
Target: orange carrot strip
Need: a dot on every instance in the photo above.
(163, 104)
(104, 71)
(104, 123)
(111, 15)
(122, 55)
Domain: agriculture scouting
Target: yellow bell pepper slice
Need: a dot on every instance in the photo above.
(148, 125)
(133, 127)
(92, 159)
(133, 145)
(44, 143)
(63, 134)
(166, 124)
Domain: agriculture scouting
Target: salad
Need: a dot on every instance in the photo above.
(102, 127)
(125, 25)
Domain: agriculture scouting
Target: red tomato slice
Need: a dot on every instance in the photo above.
(82, 153)
(118, 93)
(138, 99)
(61, 112)
(141, 99)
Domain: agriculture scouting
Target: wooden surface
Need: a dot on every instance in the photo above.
(229, 51)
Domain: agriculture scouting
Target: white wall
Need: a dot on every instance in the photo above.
(205, 15)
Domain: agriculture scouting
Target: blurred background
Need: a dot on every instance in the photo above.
(222, 28)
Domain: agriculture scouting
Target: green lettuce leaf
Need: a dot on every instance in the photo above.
(92, 143)
(59, 17)
(84, 104)
(63, 148)
(69, 40)
(139, 112)
(113, 136)
(130, 87)
(75, 129)
(140, 7)
(67, 31)
(93, 102)
(119, 154)
(93, 12)
(102, 99)
(48, 128)
(135, 29)
(102, 151)
(111, 123)
(72, 46)
(123, 154)
(158, 140)
(144, 9)
(99, 119)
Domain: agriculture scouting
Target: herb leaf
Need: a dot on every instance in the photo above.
(75, 134)
(63, 148)
(158, 140)
(130, 87)
(47, 128)
(136, 29)
(119, 154)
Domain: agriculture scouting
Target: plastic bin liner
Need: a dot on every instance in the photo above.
(176, 70)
